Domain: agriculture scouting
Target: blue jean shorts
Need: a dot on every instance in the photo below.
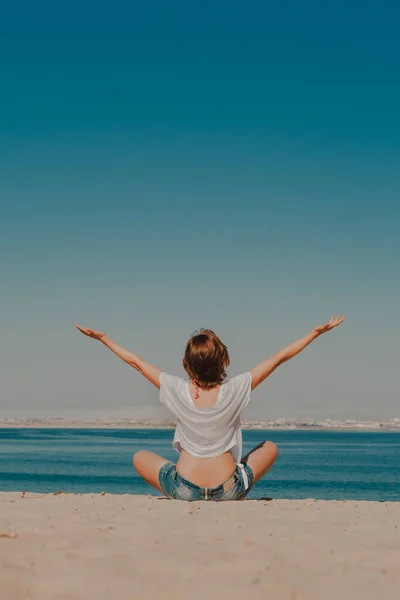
(176, 487)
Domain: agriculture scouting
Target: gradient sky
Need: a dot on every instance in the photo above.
(166, 166)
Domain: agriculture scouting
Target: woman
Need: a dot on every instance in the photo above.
(207, 408)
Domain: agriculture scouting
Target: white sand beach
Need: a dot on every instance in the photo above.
(86, 546)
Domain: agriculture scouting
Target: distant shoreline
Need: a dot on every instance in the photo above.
(253, 425)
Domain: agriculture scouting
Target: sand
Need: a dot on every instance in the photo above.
(124, 547)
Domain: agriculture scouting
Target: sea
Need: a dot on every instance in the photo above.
(330, 465)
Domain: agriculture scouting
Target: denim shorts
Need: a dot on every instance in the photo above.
(176, 487)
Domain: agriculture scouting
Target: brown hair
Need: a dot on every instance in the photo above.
(206, 359)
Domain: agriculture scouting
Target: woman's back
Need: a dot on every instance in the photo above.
(204, 398)
(208, 432)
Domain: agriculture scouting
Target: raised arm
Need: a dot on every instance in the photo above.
(149, 371)
(265, 368)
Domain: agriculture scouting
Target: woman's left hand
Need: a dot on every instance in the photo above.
(95, 335)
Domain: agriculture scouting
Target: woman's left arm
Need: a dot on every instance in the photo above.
(149, 371)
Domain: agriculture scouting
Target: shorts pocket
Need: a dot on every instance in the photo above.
(166, 478)
(181, 492)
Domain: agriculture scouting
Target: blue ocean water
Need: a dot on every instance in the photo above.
(311, 464)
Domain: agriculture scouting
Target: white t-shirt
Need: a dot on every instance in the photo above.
(207, 432)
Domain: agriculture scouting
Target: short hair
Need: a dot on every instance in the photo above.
(206, 359)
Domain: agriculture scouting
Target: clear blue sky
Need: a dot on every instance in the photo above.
(166, 166)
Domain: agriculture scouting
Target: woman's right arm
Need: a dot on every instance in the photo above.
(268, 366)
(148, 370)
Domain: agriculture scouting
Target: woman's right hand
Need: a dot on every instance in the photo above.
(95, 335)
(334, 322)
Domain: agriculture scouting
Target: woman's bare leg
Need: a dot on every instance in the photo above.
(148, 465)
(261, 459)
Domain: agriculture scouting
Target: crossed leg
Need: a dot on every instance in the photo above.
(148, 465)
(261, 459)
